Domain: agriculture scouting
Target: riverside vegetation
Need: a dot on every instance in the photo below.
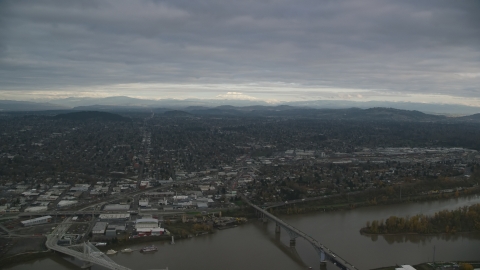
(428, 190)
(463, 219)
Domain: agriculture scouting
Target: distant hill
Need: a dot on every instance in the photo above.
(396, 114)
(167, 103)
(430, 108)
(107, 101)
(123, 102)
(108, 108)
(91, 115)
(470, 118)
(16, 106)
(383, 114)
(319, 109)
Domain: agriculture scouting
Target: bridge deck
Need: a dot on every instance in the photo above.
(339, 261)
(92, 254)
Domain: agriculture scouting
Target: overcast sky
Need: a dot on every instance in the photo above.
(274, 50)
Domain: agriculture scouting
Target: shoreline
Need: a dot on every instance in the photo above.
(21, 258)
(427, 265)
(26, 257)
(413, 233)
(317, 207)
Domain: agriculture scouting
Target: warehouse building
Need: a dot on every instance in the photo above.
(115, 217)
(37, 221)
(146, 223)
(111, 231)
(147, 226)
(99, 228)
(150, 231)
(405, 267)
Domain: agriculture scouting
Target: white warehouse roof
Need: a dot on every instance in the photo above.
(114, 216)
(147, 220)
(153, 229)
(36, 220)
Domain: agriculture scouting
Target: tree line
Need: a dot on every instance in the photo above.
(463, 219)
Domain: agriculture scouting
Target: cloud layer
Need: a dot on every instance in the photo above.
(276, 49)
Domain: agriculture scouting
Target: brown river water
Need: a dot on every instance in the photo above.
(255, 246)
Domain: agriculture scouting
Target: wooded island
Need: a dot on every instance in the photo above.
(463, 219)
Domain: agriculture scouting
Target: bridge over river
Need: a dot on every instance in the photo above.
(86, 252)
(89, 254)
(323, 252)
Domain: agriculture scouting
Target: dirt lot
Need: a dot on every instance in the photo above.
(12, 224)
(35, 230)
(5, 245)
(78, 228)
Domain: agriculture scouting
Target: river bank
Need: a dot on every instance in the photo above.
(433, 266)
(32, 256)
(247, 211)
(417, 234)
(25, 257)
(347, 202)
(464, 219)
(337, 230)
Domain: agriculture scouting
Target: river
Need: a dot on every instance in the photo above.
(254, 245)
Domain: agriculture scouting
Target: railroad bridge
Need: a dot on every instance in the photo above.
(324, 253)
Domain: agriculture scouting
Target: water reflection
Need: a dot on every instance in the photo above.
(256, 246)
(422, 239)
(340, 232)
(276, 240)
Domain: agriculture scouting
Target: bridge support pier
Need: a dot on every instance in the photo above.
(293, 236)
(321, 255)
(323, 252)
(292, 242)
(86, 265)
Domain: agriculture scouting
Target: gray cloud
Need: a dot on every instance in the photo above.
(390, 47)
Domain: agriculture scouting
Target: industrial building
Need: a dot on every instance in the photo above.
(202, 205)
(111, 231)
(405, 267)
(36, 209)
(148, 226)
(146, 223)
(115, 217)
(37, 221)
(99, 228)
(65, 203)
(150, 231)
(143, 203)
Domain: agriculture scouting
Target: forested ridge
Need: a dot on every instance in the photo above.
(463, 219)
